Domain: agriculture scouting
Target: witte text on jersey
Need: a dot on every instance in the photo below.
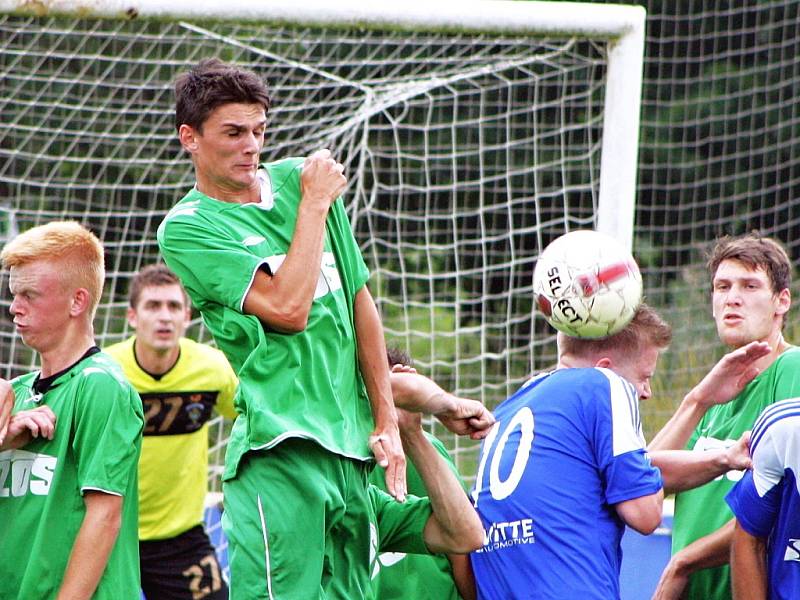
(507, 534)
(23, 473)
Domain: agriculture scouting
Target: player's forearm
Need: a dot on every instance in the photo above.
(463, 576)
(684, 470)
(454, 525)
(372, 359)
(748, 566)
(417, 393)
(709, 551)
(283, 300)
(93, 545)
(676, 432)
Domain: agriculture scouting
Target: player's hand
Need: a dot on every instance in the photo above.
(6, 404)
(388, 450)
(322, 179)
(399, 368)
(738, 455)
(467, 417)
(673, 581)
(729, 376)
(29, 424)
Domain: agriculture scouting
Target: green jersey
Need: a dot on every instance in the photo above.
(304, 384)
(703, 510)
(419, 576)
(96, 447)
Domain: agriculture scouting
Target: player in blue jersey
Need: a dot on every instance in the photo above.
(765, 553)
(565, 468)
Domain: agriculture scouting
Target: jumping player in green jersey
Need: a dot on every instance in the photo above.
(435, 577)
(181, 383)
(68, 506)
(750, 279)
(266, 253)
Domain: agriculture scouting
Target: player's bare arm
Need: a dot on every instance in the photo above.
(385, 439)
(643, 513)
(283, 300)
(418, 393)
(27, 425)
(725, 380)
(454, 526)
(6, 404)
(684, 469)
(712, 550)
(748, 565)
(92, 546)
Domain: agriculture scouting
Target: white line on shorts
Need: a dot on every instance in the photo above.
(266, 546)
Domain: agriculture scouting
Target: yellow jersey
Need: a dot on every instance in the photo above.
(173, 468)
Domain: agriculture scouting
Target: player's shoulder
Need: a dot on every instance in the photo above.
(779, 422)
(195, 351)
(101, 369)
(285, 171)
(789, 358)
(121, 350)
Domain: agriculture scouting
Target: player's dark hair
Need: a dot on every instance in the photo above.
(646, 330)
(755, 252)
(212, 83)
(396, 356)
(157, 274)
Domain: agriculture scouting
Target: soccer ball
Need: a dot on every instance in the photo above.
(587, 285)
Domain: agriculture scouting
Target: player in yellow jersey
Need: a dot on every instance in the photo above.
(181, 382)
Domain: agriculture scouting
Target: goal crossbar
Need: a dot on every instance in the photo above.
(622, 27)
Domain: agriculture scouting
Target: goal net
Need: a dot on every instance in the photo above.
(472, 136)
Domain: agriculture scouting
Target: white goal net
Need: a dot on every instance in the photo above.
(467, 151)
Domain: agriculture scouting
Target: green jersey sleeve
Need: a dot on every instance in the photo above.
(346, 248)
(107, 431)
(401, 525)
(211, 264)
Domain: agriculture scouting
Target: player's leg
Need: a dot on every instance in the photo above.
(352, 545)
(181, 568)
(276, 520)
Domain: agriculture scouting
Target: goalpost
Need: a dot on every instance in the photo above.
(473, 133)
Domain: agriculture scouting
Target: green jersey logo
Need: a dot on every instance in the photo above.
(23, 473)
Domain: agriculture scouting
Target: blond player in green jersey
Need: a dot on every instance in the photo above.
(181, 383)
(68, 505)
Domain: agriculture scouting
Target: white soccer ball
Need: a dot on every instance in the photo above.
(587, 284)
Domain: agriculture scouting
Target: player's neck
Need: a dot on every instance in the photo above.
(66, 353)
(777, 346)
(155, 362)
(225, 193)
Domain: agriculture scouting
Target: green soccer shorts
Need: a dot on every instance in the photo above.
(299, 524)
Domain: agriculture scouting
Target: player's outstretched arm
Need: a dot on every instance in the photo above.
(454, 526)
(6, 404)
(29, 424)
(93, 545)
(385, 439)
(642, 514)
(709, 551)
(725, 380)
(418, 393)
(684, 469)
(748, 565)
(283, 300)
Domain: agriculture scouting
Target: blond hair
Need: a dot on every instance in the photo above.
(646, 330)
(77, 249)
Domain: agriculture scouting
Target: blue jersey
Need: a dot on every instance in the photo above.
(566, 447)
(766, 500)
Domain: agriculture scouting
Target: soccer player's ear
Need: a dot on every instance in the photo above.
(80, 302)
(604, 363)
(130, 314)
(188, 138)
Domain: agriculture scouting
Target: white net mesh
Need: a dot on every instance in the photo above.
(465, 154)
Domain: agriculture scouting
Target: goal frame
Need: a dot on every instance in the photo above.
(621, 26)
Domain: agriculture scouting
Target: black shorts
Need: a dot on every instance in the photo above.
(181, 568)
